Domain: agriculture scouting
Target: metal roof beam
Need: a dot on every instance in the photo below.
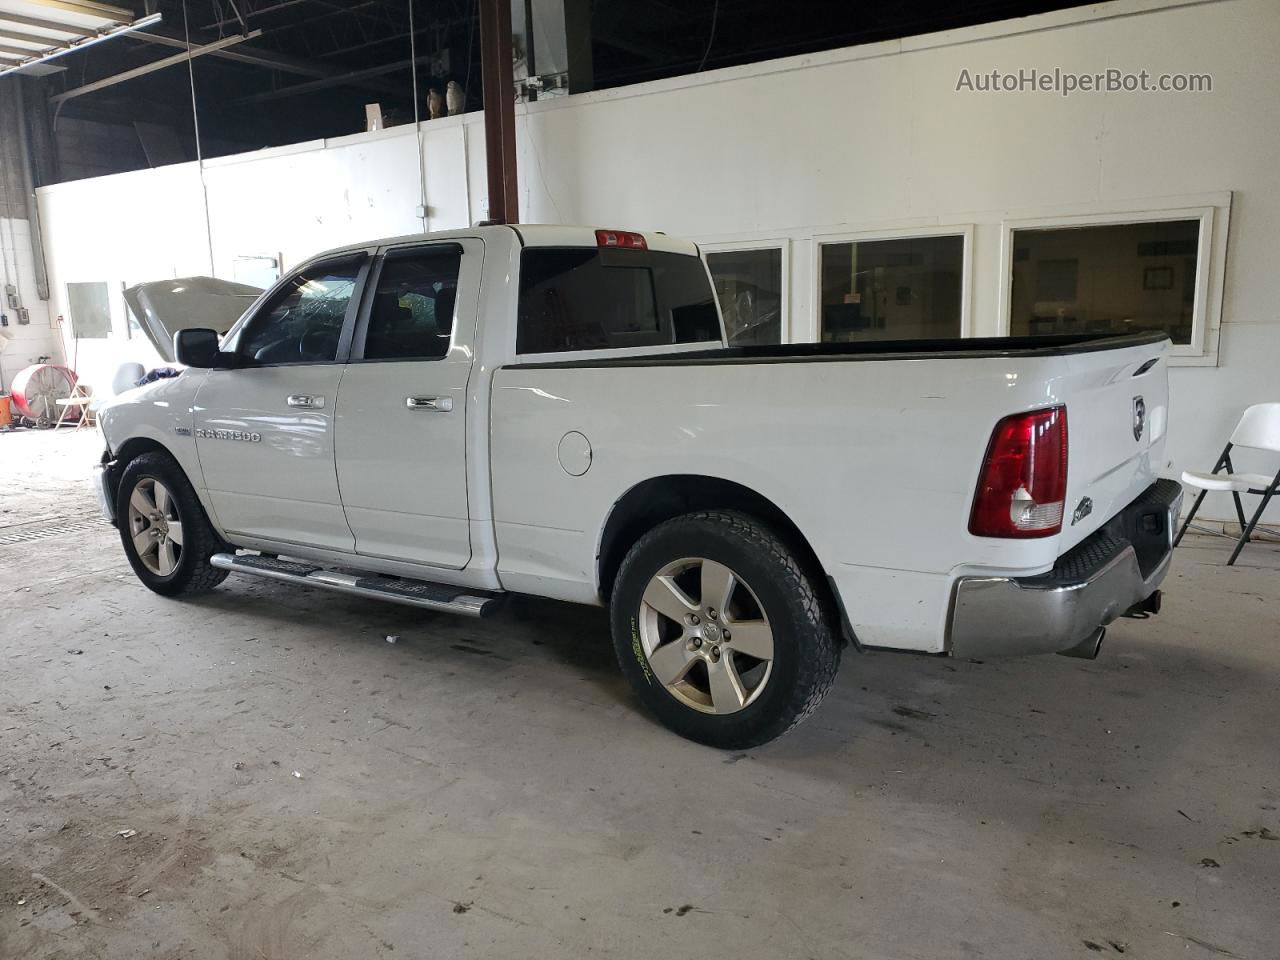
(26, 37)
(270, 59)
(51, 25)
(250, 11)
(87, 8)
(330, 8)
(150, 68)
(253, 55)
(358, 78)
(63, 47)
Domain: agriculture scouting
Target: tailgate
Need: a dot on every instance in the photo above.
(1117, 414)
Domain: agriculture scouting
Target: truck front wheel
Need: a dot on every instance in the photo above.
(165, 533)
(720, 631)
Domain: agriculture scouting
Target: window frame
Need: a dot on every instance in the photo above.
(75, 322)
(361, 329)
(915, 232)
(782, 244)
(275, 259)
(231, 342)
(1213, 211)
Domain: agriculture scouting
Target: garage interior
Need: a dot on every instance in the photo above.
(271, 772)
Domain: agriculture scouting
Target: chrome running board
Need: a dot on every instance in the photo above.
(413, 593)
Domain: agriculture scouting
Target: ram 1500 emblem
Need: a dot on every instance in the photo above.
(244, 435)
(1083, 509)
(1139, 417)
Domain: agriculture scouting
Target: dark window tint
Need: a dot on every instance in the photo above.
(1109, 278)
(303, 322)
(412, 312)
(587, 299)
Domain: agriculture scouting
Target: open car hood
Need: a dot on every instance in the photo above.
(163, 307)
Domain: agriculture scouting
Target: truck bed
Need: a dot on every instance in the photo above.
(876, 464)
(951, 347)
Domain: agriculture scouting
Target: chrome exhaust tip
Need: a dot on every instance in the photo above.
(1088, 648)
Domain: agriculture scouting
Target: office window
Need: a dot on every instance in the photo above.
(896, 289)
(90, 306)
(749, 287)
(1105, 278)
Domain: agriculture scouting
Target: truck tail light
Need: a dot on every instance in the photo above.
(1022, 489)
(622, 239)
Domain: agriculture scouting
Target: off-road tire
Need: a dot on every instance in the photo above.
(806, 648)
(193, 573)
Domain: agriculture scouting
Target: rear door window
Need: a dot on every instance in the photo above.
(585, 298)
(411, 314)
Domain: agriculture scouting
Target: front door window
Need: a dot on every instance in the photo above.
(303, 322)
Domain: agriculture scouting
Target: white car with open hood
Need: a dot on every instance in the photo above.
(441, 420)
(165, 307)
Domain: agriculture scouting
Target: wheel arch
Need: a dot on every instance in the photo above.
(659, 499)
(136, 446)
(128, 451)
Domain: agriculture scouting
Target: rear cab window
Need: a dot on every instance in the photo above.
(588, 298)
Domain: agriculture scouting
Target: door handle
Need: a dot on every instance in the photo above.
(432, 404)
(306, 401)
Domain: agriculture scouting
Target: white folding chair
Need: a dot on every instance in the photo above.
(1258, 428)
(81, 397)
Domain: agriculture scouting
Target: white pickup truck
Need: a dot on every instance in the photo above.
(441, 420)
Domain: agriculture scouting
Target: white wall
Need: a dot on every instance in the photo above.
(859, 140)
(28, 342)
(123, 229)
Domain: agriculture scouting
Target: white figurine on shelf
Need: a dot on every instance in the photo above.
(456, 97)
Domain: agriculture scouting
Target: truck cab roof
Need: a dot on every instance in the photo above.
(525, 234)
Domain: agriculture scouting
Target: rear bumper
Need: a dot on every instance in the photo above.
(1118, 567)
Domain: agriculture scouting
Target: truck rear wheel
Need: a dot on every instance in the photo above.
(720, 631)
(166, 535)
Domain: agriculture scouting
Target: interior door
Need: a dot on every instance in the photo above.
(264, 427)
(402, 409)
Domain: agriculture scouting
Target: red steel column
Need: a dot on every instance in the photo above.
(499, 109)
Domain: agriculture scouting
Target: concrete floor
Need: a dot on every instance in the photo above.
(488, 789)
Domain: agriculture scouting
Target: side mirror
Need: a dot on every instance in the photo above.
(197, 347)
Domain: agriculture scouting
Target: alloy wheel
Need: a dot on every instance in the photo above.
(155, 526)
(706, 636)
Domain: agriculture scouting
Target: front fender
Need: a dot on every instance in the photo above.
(158, 415)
